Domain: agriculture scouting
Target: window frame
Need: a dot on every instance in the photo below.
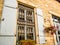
(25, 15)
(57, 21)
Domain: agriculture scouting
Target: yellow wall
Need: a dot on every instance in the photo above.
(48, 7)
(1, 6)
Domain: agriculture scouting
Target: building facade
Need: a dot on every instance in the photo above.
(31, 18)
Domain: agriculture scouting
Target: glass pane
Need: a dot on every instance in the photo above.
(59, 38)
(30, 32)
(21, 32)
(29, 29)
(21, 17)
(30, 16)
(59, 32)
(21, 36)
(30, 36)
(58, 1)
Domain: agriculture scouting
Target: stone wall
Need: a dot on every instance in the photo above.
(1, 6)
(48, 7)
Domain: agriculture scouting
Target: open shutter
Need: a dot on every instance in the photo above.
(8, 23)
(40, 26)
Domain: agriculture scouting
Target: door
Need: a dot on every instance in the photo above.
(8, 23)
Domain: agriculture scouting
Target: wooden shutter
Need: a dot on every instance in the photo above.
(40, 26)
(8, 23)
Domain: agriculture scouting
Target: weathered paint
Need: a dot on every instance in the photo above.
(8, 23)
(40, 21)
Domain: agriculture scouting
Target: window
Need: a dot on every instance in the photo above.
(58, 31)
(21, 32)
(56, 21)
(59, 38)
(25, 22)
(30, 31)
(58, 1)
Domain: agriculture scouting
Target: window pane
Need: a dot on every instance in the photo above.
(58, 31)
(58, 1)
(30, 16)
(21, 15)
(59, 38)
(30, 36)
(21, 32)
(29, 29)
(21, 36)
(30, 32)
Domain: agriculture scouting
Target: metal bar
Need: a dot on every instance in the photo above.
(34, 33)
(25, 26)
